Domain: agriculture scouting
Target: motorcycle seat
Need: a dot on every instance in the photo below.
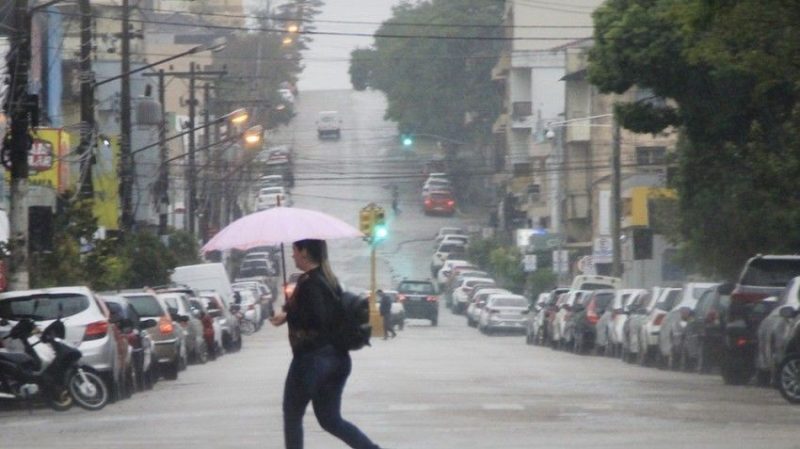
(17, 358)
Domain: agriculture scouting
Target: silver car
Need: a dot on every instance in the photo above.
(87, 323)
(179, 308)
(503, 312)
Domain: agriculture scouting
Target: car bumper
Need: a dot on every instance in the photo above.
(99, 354)
(421, 309)
(166, 351)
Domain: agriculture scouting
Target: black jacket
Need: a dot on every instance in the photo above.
(385, 305)
(312, 313)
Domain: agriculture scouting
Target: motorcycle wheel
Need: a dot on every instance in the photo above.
(60, 400)
(88, 389)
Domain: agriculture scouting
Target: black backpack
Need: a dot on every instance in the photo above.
(353, 329)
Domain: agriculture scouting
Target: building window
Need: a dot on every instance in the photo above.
(534, 193)
(651, 155)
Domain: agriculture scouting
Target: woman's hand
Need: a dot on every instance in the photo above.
(278, 319)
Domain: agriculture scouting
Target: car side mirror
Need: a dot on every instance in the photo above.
(147, 324)
(787, 312)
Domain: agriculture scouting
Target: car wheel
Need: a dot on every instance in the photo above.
(789, 378)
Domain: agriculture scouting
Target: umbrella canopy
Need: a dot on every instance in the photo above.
(280, 225)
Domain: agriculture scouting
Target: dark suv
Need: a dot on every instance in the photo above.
(761, 277)
(420, 300)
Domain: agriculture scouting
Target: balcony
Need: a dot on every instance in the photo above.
(500, 70)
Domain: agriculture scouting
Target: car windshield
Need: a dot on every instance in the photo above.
(510, 302)
(146, 305)
(591, 286)
(172, 301)
(771, 272)
(43, 307)
(602, 300)
(417, 287)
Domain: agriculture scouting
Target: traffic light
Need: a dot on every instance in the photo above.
(407, 140)
(379, 229)
(365, 221)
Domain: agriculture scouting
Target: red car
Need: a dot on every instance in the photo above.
(439, 202)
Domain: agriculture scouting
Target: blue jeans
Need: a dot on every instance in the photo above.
(319, 377)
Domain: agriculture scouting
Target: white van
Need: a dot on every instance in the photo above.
(205, 276)
(329, 124)
(595, 282)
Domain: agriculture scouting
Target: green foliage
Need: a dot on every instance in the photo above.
(360, 61)
(432, 84)
(540, 281)
(184, 248)
(148, 259)
(506, 266)
(726, 66)
(480, 251)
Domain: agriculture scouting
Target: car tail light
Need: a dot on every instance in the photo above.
(427, 202)
(401, 298)
(96, 330)
(451, 203)
(741, 341)
(165, 325)
(658, 319)
(592, 317)
(432, 298)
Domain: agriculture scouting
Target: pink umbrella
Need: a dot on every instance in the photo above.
(279, 225)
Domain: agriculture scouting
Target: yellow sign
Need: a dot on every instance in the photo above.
(106, 184)
(46, 160)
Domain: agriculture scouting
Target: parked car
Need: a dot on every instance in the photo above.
(141, 345)
(88, 327)
(586, 317)
(249, 306)
(670, 337)
(168, 336)
(550, 338)
(595, 282)
(266, 300)
(638, 312)
(559, 336)
(473, 311)
(271, 181)
(439, 202)
(536, 326)
(775, 331)
(329, 124)
(614, 319)
(651, 328)
(762, 276)
(461, 292)
(231, 331)
(703, 336)
(212, 330)
(181, 312)
(456, 238)
(443, 274)
(447, 230)
(503, 312)
(419, 299)
(442, 253)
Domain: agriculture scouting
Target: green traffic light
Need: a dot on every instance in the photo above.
(380, 232)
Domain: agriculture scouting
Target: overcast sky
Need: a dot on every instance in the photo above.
(327, 59)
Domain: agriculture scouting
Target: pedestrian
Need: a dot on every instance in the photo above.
(386, 312)
(319, 369)
(395, 198)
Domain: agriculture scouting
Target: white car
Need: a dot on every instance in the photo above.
(444, 273)
(456, 238)
(271, 181)
(272, 197)
(461, 294)
(446, 231)
(442, 253)
(329, 124)
(503, 312)
(564, 313)
(650, 330)
(620, 311)
(250, 305)
(473, 312)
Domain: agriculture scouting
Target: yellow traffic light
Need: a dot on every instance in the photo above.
(365, 222)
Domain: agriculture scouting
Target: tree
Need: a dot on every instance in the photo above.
(431, 83)
(727, 69)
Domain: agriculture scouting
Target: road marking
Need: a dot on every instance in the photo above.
(500, 407)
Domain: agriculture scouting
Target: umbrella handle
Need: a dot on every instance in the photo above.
(283, 269)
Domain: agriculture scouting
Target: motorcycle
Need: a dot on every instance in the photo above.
(49, 367)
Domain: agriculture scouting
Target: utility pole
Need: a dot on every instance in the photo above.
(205, 219)
(616, 193)
(190, 174)
(86, 189)
(126, 160)
(19, 109)
(163, 169)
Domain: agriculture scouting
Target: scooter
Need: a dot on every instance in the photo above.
(49, 367)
